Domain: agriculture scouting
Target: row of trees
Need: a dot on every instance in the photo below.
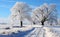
(43, 13)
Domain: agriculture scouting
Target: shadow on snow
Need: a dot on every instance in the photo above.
(19, 34)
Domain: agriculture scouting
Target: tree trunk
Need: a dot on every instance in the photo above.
(34, 23)
(51, 24)
(42, 23)
(21, 23)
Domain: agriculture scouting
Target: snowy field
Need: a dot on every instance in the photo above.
(11, 30)
(30, 31)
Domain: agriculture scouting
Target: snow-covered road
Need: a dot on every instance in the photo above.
(43, 32)
(35, 31)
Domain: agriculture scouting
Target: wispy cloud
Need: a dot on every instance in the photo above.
(32, 6)
(46, 0)
(4, 6)
(5, 20)
(11, 1)
(8, 0)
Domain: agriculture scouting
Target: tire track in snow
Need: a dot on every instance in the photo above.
(37, 32)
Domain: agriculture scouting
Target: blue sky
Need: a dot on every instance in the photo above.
(6, 5)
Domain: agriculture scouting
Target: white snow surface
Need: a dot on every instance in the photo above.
(39, 31)
(4, 31)
(46, 31)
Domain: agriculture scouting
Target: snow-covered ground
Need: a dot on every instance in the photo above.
(46, 31)
(52, 31)
(32, 31)
(5, 31)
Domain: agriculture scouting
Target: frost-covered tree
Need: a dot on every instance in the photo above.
(20, 11)
(45, 13)
(58, 21)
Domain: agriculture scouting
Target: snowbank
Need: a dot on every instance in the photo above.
(51, 32)
(15, 30)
